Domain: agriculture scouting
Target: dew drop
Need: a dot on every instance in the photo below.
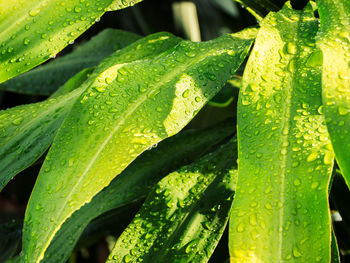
(34, 12)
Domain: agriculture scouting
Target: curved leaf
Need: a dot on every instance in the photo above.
(183, 218)
(334, 41)
(32, 31)
(134, 183)
(47, 78)
(125, 109)
(27, 131)
(280, 212)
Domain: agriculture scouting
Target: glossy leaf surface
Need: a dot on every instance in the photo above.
(280, 212)
(32, 31)
(183, 218)
(44, 80)
(27, 131)
(134, 183)
(125, 109)
(334, 41)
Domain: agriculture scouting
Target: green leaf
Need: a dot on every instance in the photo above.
(280, 212)
(75, 82)
(27, 131)
(10, 238)
(134, 183)
(334, 41)
(183, 218)
(32, 31)
(125, 109)
(47, 78)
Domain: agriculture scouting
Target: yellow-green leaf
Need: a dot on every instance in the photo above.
(334, 41)
(280, 212)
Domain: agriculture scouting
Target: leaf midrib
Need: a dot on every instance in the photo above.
(287, 122)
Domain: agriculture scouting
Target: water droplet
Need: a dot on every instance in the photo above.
(26, 41)
(240, 228)
(291, 48)
(17, 121)
(315, 185)
(297, 182)
(312, 157)
(77, 9)
(186, 93)
(328, 158)
(34, 12)
(343, 111)
(296, 252)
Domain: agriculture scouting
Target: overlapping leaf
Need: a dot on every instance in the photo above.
(46, 79)
(27, 131)
(134, 183)
(334, 41)
(280, 212)
(183, 218)
(125, 109)
(32, 31)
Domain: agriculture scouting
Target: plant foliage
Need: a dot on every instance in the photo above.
(101, 134)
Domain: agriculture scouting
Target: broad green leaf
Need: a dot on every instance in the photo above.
(334, 41)
(280, 212)
(32, 31)
(125, 109)
(27, 131)
(183, 218)
(10, 237)
(134, 183)
(47, 78)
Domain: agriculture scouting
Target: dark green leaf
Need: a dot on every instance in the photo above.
(183, 218)
(47, 78)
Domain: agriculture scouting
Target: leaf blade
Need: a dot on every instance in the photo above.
(47, 78)
(34, 30)
(183, 218)
(334, 41)
(285, 158)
